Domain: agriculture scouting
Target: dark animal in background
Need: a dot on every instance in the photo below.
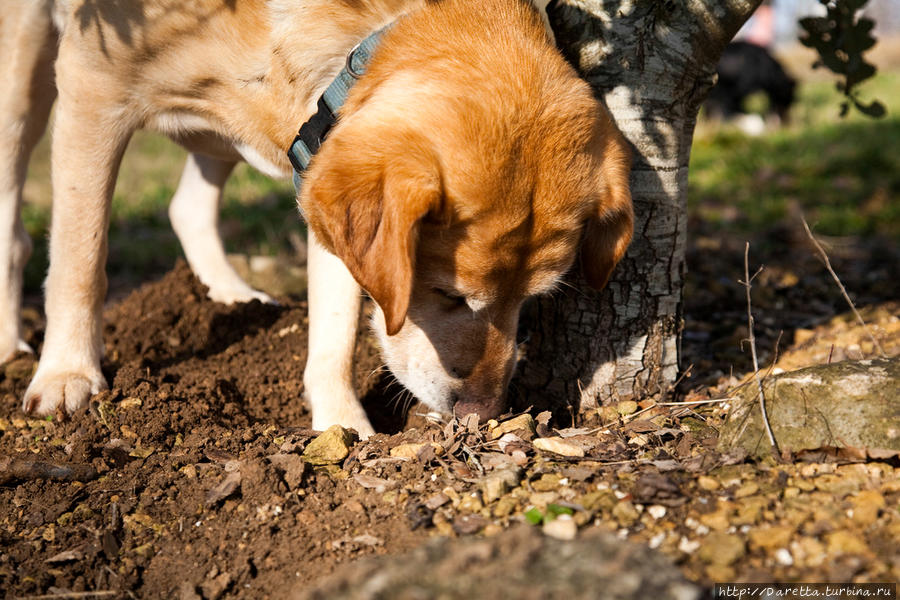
(745, 69)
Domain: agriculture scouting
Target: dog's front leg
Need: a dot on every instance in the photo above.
(88, 142)
(194, 213)
(334, 302)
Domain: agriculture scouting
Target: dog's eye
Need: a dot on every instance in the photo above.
(450, 299)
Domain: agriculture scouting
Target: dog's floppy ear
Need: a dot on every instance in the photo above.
(364, 205)
(609, 227)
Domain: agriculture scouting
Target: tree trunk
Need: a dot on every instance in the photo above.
(652, 63)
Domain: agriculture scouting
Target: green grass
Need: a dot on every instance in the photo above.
(842, 174)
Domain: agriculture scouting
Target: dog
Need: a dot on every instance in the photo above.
(745, 69)
(468, 169)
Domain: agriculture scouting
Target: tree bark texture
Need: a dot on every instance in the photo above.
(652, 63)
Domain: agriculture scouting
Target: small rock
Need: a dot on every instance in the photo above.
(498, 483)
(505, 506)
(748, 489)
(437, 501)
(777, 536)
(720, 573)
(130, 403)
(844, 542)
(720, 548)
(627, 407)
(469, 524)
(608, 415)
(330, 447)
(411, 451)
(603, 500)
(558, 446)
(562, 527)
(707, 483)
(470, 503)
(547, 483)
(656, 511)
(523, 426)
(866, 506)
(625, 513)
(783, 557)
(835, 484)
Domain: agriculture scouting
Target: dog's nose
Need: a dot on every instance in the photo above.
(486, 407)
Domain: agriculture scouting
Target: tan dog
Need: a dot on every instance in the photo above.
(466, 166)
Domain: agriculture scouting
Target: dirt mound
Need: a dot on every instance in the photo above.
(198, 391)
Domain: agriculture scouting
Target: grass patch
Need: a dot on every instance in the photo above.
(843, 174)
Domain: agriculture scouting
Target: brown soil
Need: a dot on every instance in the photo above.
(185, 479)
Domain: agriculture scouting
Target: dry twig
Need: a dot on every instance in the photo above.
(752, 339)
(841, 286)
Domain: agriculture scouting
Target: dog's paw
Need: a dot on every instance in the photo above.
(49, 393)
(232, 294)
(349, 415)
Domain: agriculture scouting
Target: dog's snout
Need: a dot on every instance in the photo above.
(485, 406)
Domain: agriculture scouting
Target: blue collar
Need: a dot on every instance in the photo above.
(314, 131)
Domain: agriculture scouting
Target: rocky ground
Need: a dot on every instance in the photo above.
(196, 475)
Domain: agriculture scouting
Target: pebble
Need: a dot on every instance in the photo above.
(777, 536)
(547, 483)
(783, 557)
(562, 527)
(330, 447)
(498, 483)
(411, 451)
(627, 407)
(505, 506)
(748, 489)
(844, 542)
(656, 511)
(707, 483)
(558, 446)
(866, 506)
(688, 546)
(625, 513)
(471, 503)
(720, 548)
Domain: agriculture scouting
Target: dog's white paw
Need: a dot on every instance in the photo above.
(50, 392)
(232, 294)
(345, 411)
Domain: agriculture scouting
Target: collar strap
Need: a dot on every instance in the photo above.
(314, 131)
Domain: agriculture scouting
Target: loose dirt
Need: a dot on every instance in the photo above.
(186, 478)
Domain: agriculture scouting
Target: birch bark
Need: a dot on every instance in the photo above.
(652, 63)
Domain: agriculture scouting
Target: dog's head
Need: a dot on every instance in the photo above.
(452, 202)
